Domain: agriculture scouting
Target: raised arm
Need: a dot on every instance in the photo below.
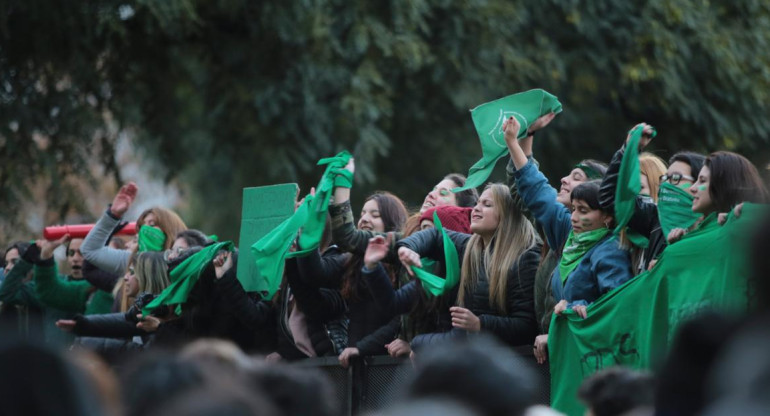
(94, 247)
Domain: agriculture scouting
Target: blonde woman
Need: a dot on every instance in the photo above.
(652, 168)
(497, 273)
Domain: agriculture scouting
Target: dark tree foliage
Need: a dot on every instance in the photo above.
(226, 94)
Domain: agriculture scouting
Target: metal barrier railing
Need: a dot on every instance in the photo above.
(373, 383)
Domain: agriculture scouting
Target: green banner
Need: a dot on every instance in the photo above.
(488, 119)
(634, 324)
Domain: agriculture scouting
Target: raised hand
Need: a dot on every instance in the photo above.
(376, 251)
(541, 122)
(511, 129)
(409, 258)
(222, 263)
(47, 247)
(647, 130)
(123, 199)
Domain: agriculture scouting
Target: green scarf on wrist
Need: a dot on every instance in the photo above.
(576, 247)
(151, 239)
(435, 285)
(675, 208)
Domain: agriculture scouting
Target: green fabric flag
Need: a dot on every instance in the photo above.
(272, 250)
(488, 119)
(435, 285)
(633, 325)
(150, 239)
(185, 275)
(675, 207)
(576, 247)
(628, 187)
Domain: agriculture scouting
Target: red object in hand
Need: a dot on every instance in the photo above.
(56, 232)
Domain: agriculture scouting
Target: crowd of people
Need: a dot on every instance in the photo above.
(453, 286)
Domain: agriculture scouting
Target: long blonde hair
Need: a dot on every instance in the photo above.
(168, 221)
(653, 168)
(513, 236)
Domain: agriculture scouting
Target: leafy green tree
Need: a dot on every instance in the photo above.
(221, 95)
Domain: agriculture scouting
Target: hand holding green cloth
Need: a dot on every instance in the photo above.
(628, 187)
(634, 324)
(675, 207)
(435, 285)
(576, 247)
(272, 250)
(150, 239)
(488, 119)
(184, 276)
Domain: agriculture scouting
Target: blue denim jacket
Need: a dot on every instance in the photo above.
(603, 268)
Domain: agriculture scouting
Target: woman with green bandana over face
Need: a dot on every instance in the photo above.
(725, 181)
(585, 170)
(158, 228)
(652, 220)
(591, 262)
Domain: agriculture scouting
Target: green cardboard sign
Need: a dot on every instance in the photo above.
(264, 208)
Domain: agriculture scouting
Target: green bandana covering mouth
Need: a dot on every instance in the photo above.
(576, 247)
(590, 172)
(151, 239)
(675, 208)
(435, 285)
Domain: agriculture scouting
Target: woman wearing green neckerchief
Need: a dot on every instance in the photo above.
(725, 181)
(591, 262)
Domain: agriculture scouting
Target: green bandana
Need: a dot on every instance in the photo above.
(590, 172)
(488, 119)
(272, 250)
(151, 239)
(628, 187)
(675, 208)
(184, 276)
(435, 285)
(576, 247)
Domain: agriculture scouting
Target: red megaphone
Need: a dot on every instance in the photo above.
(55, 232)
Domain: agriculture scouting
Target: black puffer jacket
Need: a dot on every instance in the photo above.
(645, 219)
(370, 328)
(518, 326)
(109, 325)
(324, 311)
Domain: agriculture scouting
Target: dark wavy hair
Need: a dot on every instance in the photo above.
(733, 180)
(466, 198)
(394, 214)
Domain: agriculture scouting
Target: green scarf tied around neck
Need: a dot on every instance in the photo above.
(435, 285)
(576, 247)
(628, 187)
(675, 207)
(184, 277)
(272, 250)
(151, 239)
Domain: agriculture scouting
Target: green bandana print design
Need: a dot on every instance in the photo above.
(675, 208)
(151, 239)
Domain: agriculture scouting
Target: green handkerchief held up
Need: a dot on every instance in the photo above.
(272, 250)
(435, 285)
(488, 119)
(185, 275)
(628, 187)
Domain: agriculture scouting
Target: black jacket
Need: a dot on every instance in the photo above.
(369, 328)
(325, 313)
(99, 278)
(518, 326)
(645, 219)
